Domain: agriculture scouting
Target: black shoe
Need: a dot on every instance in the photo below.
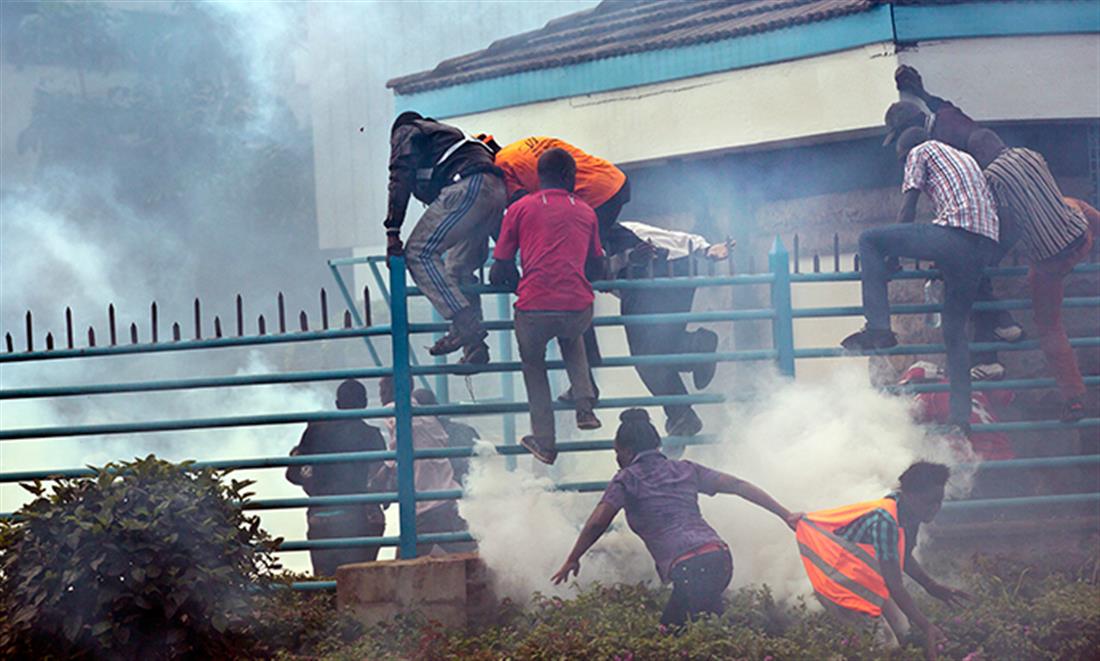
(540, 448)
(1074, 409)
(703, 373)
(870, 339)
(475, 354)
(466, 330)
(586, 419)
(567, 396)
(687, 424)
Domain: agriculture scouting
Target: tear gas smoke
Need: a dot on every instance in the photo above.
(811, 445)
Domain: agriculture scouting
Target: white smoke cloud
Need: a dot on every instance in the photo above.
(810, 445)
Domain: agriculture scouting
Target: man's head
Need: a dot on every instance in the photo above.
(985, 146)
(909, 138)
(424, 397)
(900, 116)
(922, 487)
(405, 118)
(385, 390)
(351, 395)
(557, 169)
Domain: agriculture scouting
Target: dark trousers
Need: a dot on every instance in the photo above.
(534, 330)
(335, 522)
(697, 586)
(653, 339)
(442, 518)
(960, 256)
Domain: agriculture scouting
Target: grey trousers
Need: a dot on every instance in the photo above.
(534, 330)
(457, 223)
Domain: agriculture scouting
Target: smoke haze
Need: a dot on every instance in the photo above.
(810, 445)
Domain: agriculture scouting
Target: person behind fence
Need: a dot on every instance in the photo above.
(945, 122)
(459, 434)
(429, 474)
(1057, 235)
(670, 254)
(961, 239)
(854, 556)
(661, 499)
(934, 408)
(340, 478)
(557, 237)
(454, 175)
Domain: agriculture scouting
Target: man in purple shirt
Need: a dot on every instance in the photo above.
(660, 497)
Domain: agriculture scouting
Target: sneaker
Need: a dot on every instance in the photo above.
(586, 419)
(542, 449)
(987, 372)
(870, 339)
(1013, 333)
(466, 330)
(687, 424)
(1074, 409)
(475, 354)
(703, 373)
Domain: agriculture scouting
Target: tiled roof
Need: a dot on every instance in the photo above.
(619, 27)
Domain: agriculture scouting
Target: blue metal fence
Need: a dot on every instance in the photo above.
(404, 367)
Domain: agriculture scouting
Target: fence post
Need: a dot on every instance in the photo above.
(402, 403)
(507, 379)
(783, 324)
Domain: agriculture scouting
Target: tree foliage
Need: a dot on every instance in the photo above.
(143, 560)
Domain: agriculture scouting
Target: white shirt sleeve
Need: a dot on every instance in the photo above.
(676, 243)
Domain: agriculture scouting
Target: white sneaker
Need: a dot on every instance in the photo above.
(987, 372)
(1013, 333)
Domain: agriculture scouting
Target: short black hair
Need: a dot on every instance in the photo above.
(636, 432)
(985, 145)
(351, 394)
(924, 475)
(405, 118)
(557, 169)
(911, 137)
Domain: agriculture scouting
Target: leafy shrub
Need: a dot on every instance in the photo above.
(142, 560)
(1019, 612)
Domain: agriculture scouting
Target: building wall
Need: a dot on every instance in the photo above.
(816, 99)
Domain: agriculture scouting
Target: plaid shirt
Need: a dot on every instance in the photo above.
(955, 183)
(879, 529)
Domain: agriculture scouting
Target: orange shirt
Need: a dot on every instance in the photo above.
(597, 179)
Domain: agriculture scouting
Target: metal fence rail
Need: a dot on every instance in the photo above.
(781, 315)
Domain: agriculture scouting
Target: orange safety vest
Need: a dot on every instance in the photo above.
(842, 571)
(597, 180)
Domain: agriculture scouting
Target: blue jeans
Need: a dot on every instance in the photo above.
(960, 256)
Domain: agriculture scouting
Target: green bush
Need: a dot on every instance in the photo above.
(142, 560)
(1018, 613)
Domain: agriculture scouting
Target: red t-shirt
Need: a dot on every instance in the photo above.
(555, 233)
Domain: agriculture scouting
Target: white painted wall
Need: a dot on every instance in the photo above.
(1041, 77)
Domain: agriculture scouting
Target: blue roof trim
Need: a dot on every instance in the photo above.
(985, 19)
(883, 23)
(649, 67)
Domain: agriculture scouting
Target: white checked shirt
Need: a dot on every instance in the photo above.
(956, 185)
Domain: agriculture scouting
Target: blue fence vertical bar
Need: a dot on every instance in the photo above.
(779, 261)
(507, 379)
(402, 403)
